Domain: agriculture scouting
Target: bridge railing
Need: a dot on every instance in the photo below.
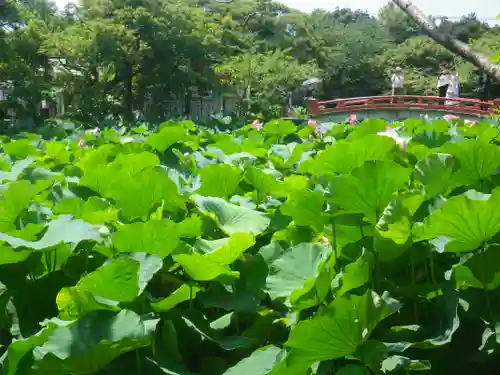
(403, 102)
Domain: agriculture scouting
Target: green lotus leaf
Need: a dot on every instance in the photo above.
(340, 329)
(65, 229)
(306, 208)
(477, 160)
(94, 211)
(294, 267)
(346, 156)
(260, 362)
(157, 237)
(219, 180)
(232, 218)
(463, 223)
(89, 344)
(369, 188)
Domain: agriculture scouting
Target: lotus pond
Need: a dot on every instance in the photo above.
(273, 249)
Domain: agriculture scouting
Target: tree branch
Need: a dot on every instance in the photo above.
(447, 41)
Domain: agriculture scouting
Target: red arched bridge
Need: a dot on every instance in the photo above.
(400, 107)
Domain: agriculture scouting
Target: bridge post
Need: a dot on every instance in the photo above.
(313, 106)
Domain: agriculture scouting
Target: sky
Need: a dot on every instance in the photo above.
(448, 8)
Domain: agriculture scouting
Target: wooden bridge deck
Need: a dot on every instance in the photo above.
(412, 103)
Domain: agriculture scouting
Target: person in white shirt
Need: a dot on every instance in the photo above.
(453, 90)
(443, 83)
(398, 81)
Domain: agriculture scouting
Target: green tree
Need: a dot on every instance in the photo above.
(261, 80)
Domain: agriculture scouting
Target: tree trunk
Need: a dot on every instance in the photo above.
(447, 41)
(128, 96)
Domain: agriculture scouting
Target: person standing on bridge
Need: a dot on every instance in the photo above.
(398, 82)
(443, 83)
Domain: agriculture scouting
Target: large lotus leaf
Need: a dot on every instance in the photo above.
(356, 274)
(202, 268)
(435, 171)
(260, 362)
(89, 344)
(231, 250)
(346, 156)
(14, 201)
(215, 263)
(121, 279)
(306, 208)
(157, 237)
(16, 169)
(29, 233)
(21, 148)
(57, 153)
(19, 352)
(369, 188)
(207, 246)
(73, 303)
(94, 211)
(219, 180)
(340, 329)
(96, 157)
(477, 160)
(286, 156)
(136, 195)
(264, 182)
(134, 162)
(134, 184)
(226, 144)
(294, 267)
(291, 184)
(100, 176)
(280, 128)
(481, 270)
(394, 229)
(232, 218)
(64, 229)
(166, 137)
(367, 127)
(462, 223)
(315, 290)
(190, 227)
(184, 293)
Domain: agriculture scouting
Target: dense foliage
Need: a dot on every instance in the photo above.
(134, 58)
(274, 249)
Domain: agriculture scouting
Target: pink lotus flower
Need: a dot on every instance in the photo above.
(352, 119)
(312, 123)
(318, 131)
(96, 131)
(82, 144)
(471, 122)
(323, 240)
(391, 133)
(256, 124)
(451, 117)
